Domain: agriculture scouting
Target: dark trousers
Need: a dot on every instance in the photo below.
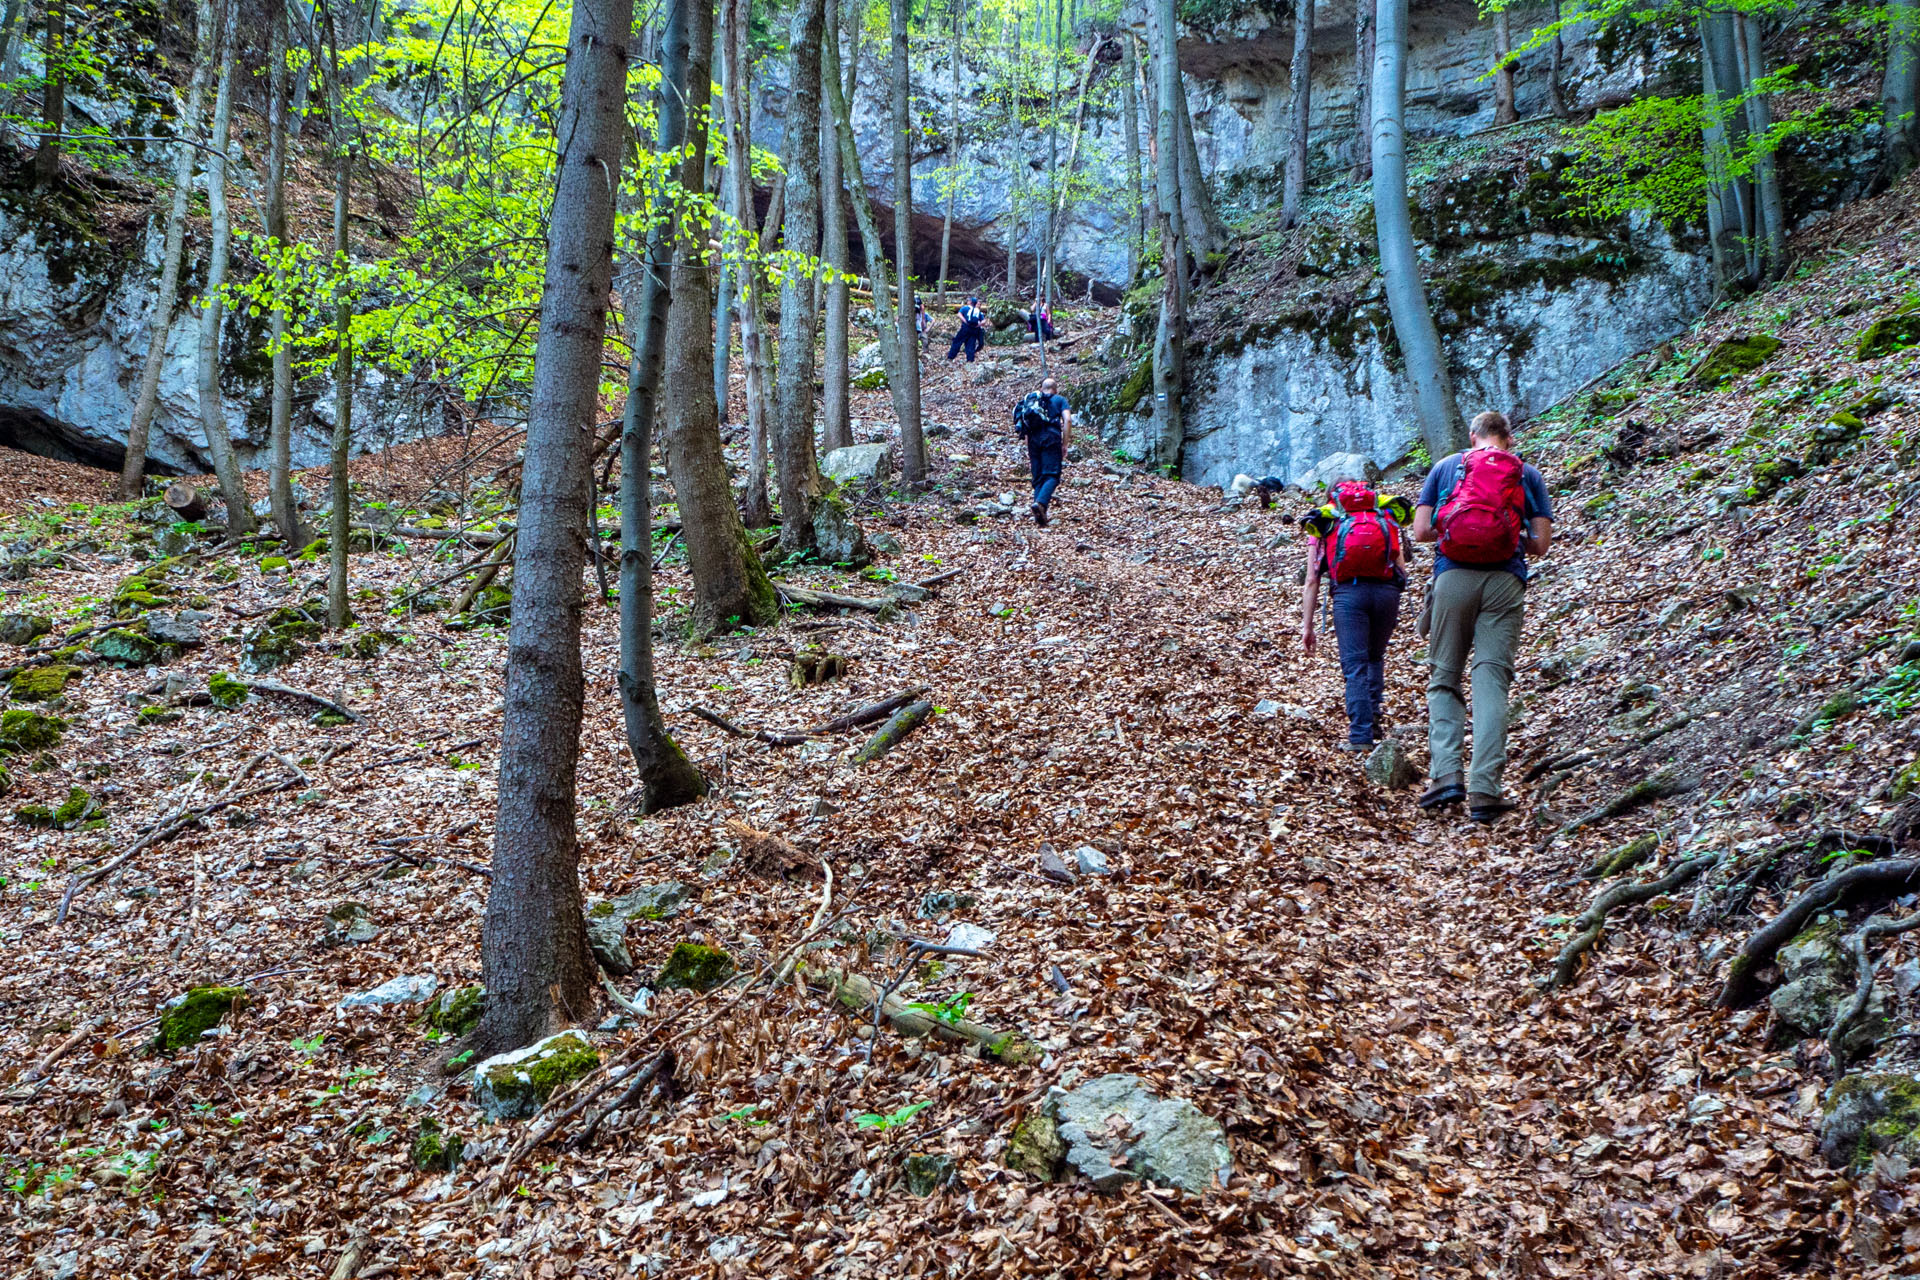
(1044, 458)
(971, 337)
(1364, 614)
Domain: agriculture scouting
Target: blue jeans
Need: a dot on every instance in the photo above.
(972, 337)
(1044, 458)
(1364, 614)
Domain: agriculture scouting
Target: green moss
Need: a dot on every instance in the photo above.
(1036, 1147)
(1139, 384)
(123, 648)
(435, 1150)
(1733, 357)
(200, 1009)
(871, 380)
(1016, 1049)
(1900, 1119)
(1770, 475)
(369, 644)
(272, 564)
(23, 730)
(156, 715)
(312, 551)
(42, 684)
(458, 1011)
(1889, 334)
(521, 1086)
(1907, 781)
(1847, 421)
(226, 691)
(75, 807)
(34, 815)
(694, 967)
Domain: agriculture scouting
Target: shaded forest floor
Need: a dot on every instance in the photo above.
(1351, 988)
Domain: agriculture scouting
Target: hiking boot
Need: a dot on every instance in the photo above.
(1039, 515)
(1356, 746)
(1449, 790)
(1487, 810)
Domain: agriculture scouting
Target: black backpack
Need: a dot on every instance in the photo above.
(1030, 415)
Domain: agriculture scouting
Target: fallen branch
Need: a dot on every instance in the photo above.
(1592, 922)
(1877, 927)
(928, 584)
(792, 593)
(894, 731)
(1573, 760)
(1880, 879)
(305, 695)
(489, 570)
(859, 995)
(767, 736)
(61, 1050)
(871, 712)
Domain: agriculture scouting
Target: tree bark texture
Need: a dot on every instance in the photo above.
(286, 515)
(537, 968)
(139, 430)
(1504, 110)
(1016, 129)
(1169, 349)
(801, 486)
(1130, 140)
(1766, 174)
(213, 416)
(1731, 229)
(1363, 33)
(906, 385)
(736, 118)
(730, 588)
(1413, 325)
(1900, 86)
(1206, 235)
(836, 424)
(1299, 112)
(953, 163)
(340, 506)
(53, 97)
(667, 777)
(1556, 59)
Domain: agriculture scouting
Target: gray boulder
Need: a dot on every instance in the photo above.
(858, 465)
(409, 988)
(23, 628)
(182, 628)
(1340, 466)
(607, 921)
(837, 536)
(1819, 979)
(513, 1086)
(1388, 766)
(1116, 1128)
(1871, 1112)
(1089, 861)
(350, 922)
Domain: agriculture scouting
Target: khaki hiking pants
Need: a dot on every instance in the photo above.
(1477, 610)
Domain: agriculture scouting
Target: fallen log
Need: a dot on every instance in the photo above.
(858, 995)
(871, 712)
(186, 502)
(894, 731)
(306, 695)
(772, 739)
(1880, 879)
(1623, 859)
(1593, 921)
(792, 593)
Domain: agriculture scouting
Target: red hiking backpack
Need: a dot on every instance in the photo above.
(1480, 522)
(1366, 541)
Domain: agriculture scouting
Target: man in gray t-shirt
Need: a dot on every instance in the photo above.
(1477, 609)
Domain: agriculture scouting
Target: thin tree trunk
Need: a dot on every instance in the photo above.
(761, 387)
(1900, 86)
(340, 498)
(729, 281)
(836, 424)
(1299, 113)
(1363, 33)
(139, 430)
(1057, 215)
(53, 105)
(729, 586)
(953, 164)
(1728, 229)
(533, 947)
(1556, 58)
(801, 486)
(286, 515)
(213, 414)
(1130, 138)
(1206, 234)
(1413, 325)
(906, 385)
(1016, 129)
(10, 42)
(1169, 348)
(667, 777)
(1766, 174)
(1043, 286)
(736, 115)
(1504, 110)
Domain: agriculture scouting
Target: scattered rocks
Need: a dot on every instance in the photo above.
(1115, 1128)
(1054, 867)
(1819, 979)
(694, 967)
(226, 691)
(350, 922)
(936, 903)
(42, 684)
(971, 936)
(1340, 466)
(1732, 357)
(192, 1015)
(1266, 709)
(434, 1149)
(1388, 766)
(1036, 1147)
(23, 730)
(1090, 861)
(1871, 1112)
(122, 647)
(182, 629)
(515, 1085)
(607, 921)
(458, 1011)
(23, 628)
(406, 989)
(926, 1173)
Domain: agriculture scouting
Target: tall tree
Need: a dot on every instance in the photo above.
(1556, 56)
(1170, 341)
(836, 430)
(730, 589)
(737, 118)
(286, 514)
(667, 777)
(53, 93)
(1900, 86)
(1043, 286)
(533, 949)
(801, 485)
(729, 278)
(213, 413)
(1766, 174)
(1203, 234)
(1130, 141)
(340, 495)
(147, 400)
(953, 165)
(1299, 112)
(1413, 325)
(1016, 134)
(12, 26)
(1062, 180)
(906, 399)
(1363, 31)
(1504, 109)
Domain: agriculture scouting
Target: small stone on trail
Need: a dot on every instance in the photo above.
(406, 989)
(1265, 709)
(970, 936)
(927, 1173)
(1091, 861)
(1115, 1129)
(1053, 867)
(607, 921)
(182, 628)
(350, 922)
(1388, 766)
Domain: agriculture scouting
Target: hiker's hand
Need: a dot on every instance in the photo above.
(1308, 640)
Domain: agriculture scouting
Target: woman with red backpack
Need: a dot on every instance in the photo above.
(1357, 546)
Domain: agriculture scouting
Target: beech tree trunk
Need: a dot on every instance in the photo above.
(533, 948)
(11, 39)
(213, 416)
(801, 485)
(1766, 174)
(1556, 58)
(1363, 32)
(1504, 111)
(286, 514)
(1299, 112)
(1169, 348)
(667, 777)
(53, 97)
(1130, 140)
(953, 163)
(906, 386)
(1731, 230)
(1016, 130)
(1900, 86)
(736, 118)
(729, 586)
(1206, 234)
(1413, 325)
(139, 429)
(340, 505)
(836, 428)
(729, 285)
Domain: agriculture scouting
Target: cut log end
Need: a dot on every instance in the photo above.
(185, 501)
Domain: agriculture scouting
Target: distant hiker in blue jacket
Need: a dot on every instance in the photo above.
(973, 331)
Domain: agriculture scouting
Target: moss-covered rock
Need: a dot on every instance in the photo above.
(273, 564)
(1871, 1112)
(23, 730)
(458, 1011)
(156, 715)
(123, 648)
(871, 380)
(281, 637)
(512, 1086)
(1733, 357)
(37, 816)
(77, 806)
(435, 1150)
(192, 1015)
(42, 684)
(1036, 1147)
(694, 967)
(23, 628)
(226, 691)
(369, 643)
(1889, 334)
(926, 1172)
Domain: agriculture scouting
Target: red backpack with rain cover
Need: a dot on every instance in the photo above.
(1481, 521)
(1366, 541)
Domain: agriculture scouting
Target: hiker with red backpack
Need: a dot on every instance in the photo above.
(1489, 511)
(1357, 546)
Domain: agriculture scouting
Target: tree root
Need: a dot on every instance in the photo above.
(792, 593)
(1573, 760)
(894, 731)
(767, 736)
(1625, 858)
(1879, 879)
(1593, 921)
(1877, 927)
(306, 695)
(1661, 784)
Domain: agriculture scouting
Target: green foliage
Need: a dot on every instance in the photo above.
(894, 1119)
(1891, 333)
(950, 1011)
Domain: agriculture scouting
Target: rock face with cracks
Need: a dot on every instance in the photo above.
(1116, 1129)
